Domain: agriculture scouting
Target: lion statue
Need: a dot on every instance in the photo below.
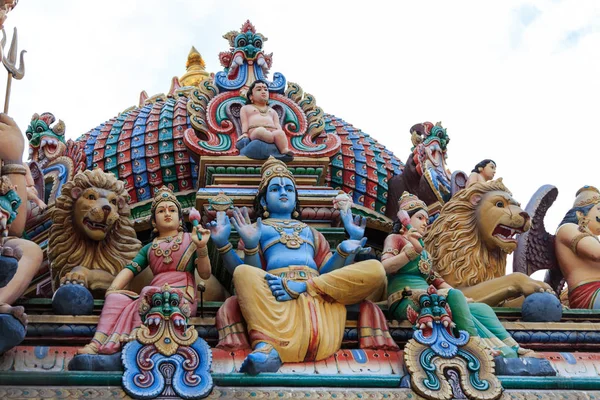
(92, 237)
(471, 238)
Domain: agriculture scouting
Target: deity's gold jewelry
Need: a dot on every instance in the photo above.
(587, 195)
(273, 168)
(166, 253)
(295, 214)
(341, 252)
(266, 213)
(262, 112)
(293, 294)
(225, 249)
(393, 252)
(202, 252)
(252, 251)
(180, 229)
(425, 264)
(410, 252)
(17, 169)
(576, 239)
(291, 241)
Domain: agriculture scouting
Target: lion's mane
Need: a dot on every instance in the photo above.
(69, 248)
(455, 244)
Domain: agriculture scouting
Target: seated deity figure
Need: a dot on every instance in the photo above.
(172, 256)
(410, 272)
(578, 249)
(292, 291)
(482, 172)
(13, 213)
(259, 121)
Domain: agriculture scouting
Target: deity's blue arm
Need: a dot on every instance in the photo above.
(334, 262)
(252, 259)
(230, 257)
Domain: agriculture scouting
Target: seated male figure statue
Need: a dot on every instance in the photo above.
(295, 310)
(259, 121)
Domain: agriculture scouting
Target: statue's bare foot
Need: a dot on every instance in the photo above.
(522, 352)
(89, 348)
(16, 311)
(264, 358)
(75, 278)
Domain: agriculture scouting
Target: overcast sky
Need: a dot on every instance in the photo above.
(514, 81)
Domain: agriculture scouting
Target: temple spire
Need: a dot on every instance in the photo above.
(195, 69)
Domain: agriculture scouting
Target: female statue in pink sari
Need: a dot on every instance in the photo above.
(172, 256)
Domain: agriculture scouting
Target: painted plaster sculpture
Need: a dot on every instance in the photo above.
(9, 60)
(261, 122)
(571, 256)
(471, 238)
(20, 258)
(425, 173)
(173, 255)
(166, 357)
(484, 171)
(410, 268)
(301, 277)
(92, 237)
(436, 355)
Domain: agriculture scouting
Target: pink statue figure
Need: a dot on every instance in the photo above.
(578, 249)
(484, 171)
(172, 255)
(259, 121)
(13, 213)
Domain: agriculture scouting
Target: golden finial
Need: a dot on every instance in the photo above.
(195, 69)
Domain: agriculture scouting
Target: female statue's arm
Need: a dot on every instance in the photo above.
(137, 265)
(200, 238)
(394, 256)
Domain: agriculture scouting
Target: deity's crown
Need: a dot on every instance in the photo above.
(164, 194)
(409, 202)
(273, 168)
(587, 195)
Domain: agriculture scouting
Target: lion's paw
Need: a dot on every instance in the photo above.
(74, 278)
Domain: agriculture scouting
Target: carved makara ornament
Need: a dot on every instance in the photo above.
(434, 350)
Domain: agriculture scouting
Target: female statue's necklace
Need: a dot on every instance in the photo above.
(291, 241)
(166, 253)
(262, 112)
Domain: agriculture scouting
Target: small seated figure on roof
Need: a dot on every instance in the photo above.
(578, 249)
(292, 291)
(482, 172)
(260, 121)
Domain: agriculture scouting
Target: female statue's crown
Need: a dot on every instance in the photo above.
(409, 202)
(587, 195)
(273, 168)
(164, 194)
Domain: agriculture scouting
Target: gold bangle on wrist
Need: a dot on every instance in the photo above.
(202, 252)
(225, 249)
(410, 252)
(17, 169)
(252, 251)
(342, 253)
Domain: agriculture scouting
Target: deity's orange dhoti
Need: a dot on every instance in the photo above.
(310, 327)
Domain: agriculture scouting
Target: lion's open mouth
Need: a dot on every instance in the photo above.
(506, 233)
(95, 225)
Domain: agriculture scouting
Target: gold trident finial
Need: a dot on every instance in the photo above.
(10, 63)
